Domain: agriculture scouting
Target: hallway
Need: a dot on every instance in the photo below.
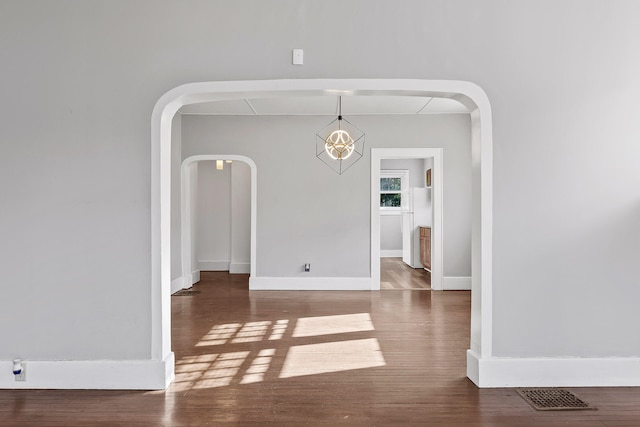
(395, 274)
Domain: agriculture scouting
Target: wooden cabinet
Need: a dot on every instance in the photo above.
(425, 247)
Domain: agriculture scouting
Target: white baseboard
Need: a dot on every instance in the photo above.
(456, 283)
(209, 265)
(91, 374)
(185, 282)
(391, 253)
(176, 285)
(310, 283)
(473, 367)
(240, 268)
(553, 372)
(194, 277)
(231, 267)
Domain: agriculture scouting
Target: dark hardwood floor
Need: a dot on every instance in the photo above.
(293, 358)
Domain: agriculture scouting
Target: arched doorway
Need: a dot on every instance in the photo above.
(186, 205)
(467, 93)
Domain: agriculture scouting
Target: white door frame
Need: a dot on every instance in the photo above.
(469, 94)
(185, 208)
(378, 154)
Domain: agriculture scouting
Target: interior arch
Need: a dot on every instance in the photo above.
(185, 205)
(469, 94)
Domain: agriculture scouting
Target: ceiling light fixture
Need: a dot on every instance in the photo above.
(340, 148)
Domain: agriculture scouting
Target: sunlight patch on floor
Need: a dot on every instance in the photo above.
(207, 371)
(278, 329)
(219, 334)
(259, 367)
(237, 333)
(322, 358)
(328, 325)
(252, 332)
(248, 367)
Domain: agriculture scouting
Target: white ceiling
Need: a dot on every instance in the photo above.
(327, 106)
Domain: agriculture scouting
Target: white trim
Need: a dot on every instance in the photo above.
(176, 284)
(320, 114)
(310, 283)
(450, 283)
(473, 367)
(185, 224)
(211, 265)
(231, 267)
(481, 229)
(554, 372)
(186, 209)
(390, 253)
(378, 154)
(91, 374)
(389, 210)
(467, 93)
(194, 277)
(240, 267)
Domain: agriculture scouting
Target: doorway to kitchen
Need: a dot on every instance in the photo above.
(406, 216)
(406, 194)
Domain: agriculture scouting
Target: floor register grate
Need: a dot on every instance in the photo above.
(553, 399)
(185, 293)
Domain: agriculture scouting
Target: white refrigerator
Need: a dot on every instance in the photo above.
(416, 212)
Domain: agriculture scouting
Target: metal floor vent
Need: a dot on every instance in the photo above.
(553, 399)
(185, 293)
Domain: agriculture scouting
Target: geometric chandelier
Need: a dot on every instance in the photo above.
(340, 144)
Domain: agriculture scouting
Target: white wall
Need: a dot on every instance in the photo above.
(213, 226)
(302, 221)
(194, 202)
(223, 226)
(79, 81)
(414, 166)
(240, 218)
(390, 234)
(176, 234)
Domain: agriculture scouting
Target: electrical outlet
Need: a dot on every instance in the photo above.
(22, 376)
(307, 268)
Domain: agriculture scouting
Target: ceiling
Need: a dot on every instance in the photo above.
(327, 106)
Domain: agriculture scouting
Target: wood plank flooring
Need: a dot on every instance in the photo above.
(293, 358)
(395, 274)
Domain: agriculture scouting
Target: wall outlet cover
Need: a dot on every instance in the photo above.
(22, 376)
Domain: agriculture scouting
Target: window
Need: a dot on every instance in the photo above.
(392, 184)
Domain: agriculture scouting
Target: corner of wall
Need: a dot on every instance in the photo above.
(177, 284)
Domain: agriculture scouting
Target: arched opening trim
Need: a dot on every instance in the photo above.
(469, 94)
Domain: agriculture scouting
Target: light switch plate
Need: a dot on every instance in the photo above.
(298, 56)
